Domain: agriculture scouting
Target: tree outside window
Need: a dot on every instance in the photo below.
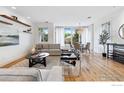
(68, 33)
(43, 34)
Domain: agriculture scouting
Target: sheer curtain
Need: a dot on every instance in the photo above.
(59, 36)
(86, 36)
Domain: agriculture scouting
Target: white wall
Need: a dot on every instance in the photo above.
(86, 35)
(116, 20)
(11, 53)
(50, 32)
(91, 36)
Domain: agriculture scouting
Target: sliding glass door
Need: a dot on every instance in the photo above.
(63, 35)
(68, 35)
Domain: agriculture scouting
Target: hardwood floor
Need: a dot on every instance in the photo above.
(13, 62)
(97, 68)
(93, 68)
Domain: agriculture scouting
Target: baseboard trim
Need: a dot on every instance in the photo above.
(13, 62)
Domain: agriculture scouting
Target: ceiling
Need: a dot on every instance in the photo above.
(64, 15)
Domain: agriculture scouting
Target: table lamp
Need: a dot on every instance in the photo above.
(33, 50)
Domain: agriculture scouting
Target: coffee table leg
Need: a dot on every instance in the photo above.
(30, 62)
(44, 59)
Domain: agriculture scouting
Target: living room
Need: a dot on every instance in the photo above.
(58, 38)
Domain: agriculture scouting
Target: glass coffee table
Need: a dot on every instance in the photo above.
(38, 58)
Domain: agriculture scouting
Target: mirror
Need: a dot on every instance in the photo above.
(121, 31)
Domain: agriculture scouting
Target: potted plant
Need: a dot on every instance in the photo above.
(104, 36)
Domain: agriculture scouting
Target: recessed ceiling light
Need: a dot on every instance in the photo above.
(46, 22)
(114, 6)
(13, 7)
(89, 17)
(28, 17)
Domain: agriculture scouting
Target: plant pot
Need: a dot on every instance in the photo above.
(104, 54)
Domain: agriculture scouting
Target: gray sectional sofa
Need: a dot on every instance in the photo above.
(52, 49)
(31, 74)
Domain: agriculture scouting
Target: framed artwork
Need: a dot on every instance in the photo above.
(8, 36)
(106, 27)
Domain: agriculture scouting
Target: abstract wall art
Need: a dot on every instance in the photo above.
(8, 36)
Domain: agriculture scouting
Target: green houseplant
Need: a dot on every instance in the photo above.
(104, 36)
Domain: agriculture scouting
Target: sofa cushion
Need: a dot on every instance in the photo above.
(39, 46)
(45, 46)
(44, 74)
(55, 74)
(51, 46)
(45, 50)
(54, 50)
(57, 46)
(20, 74)
(17, 78)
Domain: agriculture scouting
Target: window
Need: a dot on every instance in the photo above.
(68, 33)
(43, 34)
